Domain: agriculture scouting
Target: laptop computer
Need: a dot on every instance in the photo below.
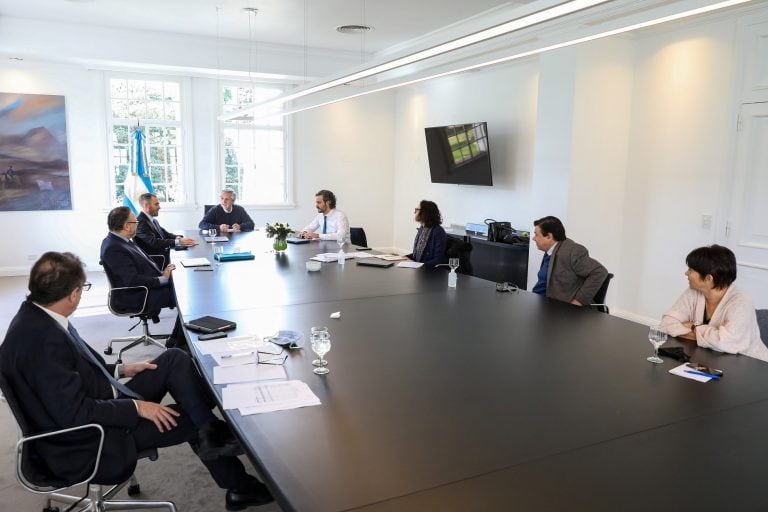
(297, 240)
(208, 324)
(375, 262)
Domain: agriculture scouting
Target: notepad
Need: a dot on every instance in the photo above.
(196, 262)
(209, 324)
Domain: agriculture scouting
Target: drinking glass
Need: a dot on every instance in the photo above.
(321, 344)
(318, 331)
(212, 232)
(657, 337)
(453, 264)
(218, 250)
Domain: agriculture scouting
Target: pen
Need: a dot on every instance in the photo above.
(703, 374)
(203, 270)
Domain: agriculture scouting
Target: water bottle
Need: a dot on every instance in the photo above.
(452, 277)
(341, 256)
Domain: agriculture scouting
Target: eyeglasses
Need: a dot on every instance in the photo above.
(86, 286)
(416, 210)
(131, 222)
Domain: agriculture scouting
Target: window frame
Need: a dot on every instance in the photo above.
(287, 130)
(186, 199)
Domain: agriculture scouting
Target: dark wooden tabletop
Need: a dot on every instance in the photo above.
(470, 399)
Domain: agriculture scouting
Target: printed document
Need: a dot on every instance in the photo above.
(267, 396)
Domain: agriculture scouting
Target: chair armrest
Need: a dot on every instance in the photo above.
(24, 440)
(126, 291)
(159, 260)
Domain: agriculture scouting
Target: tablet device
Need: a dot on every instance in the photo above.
(208, 324)
(297, 240)
(374, 262)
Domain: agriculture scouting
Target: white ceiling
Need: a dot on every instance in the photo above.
(278, 21)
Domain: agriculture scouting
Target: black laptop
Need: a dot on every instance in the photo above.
(208, 324)
(375, 262)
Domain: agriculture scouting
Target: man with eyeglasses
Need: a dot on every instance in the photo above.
(60, 382)
(227, 216)
(127, 265)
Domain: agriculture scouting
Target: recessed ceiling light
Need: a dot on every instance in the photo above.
(353, 29)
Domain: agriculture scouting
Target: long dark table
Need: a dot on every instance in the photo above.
(470, 399)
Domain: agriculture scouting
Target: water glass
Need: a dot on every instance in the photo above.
(212, 232)
(657, 337)
(453, 264)
(218, 250)
(318, 331)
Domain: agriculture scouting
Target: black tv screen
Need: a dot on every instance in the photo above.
(459, 154)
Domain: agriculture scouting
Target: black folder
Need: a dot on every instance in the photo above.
(208, 324)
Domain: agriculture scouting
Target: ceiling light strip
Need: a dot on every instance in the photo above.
(501, 60)
(529, 20)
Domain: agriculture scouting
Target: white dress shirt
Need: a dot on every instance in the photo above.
(335, 222)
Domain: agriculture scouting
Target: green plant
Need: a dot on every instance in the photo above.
(279, 230)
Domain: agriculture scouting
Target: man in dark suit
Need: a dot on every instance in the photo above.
(567, 272)
(150, 235)
(227, 216)
(127, 265)
(60, 382)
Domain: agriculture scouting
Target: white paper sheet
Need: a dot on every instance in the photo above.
(234, 344)
(390, 257)
(196, 262)
(257, 397)
(680, 371)
(247, 373)
(328, 257)
(359, 254)
(410, 264)
(235, 358)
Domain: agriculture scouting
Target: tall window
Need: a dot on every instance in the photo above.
(156, 106)
(253, 153)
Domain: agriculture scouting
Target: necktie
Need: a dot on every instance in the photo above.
(83, 346)
(325, 223)
(541, 283)
(157, 227)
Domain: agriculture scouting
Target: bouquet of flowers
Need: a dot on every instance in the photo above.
(279, 230)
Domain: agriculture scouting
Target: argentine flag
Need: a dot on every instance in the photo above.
(137, 182)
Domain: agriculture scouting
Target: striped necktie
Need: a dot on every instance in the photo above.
(83, 346)
(325, 223)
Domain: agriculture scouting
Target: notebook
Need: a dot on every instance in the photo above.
(208, 324)
(374, 262)
(297, 240)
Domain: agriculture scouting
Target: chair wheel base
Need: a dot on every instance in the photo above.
(134, 490)
(108, 351)
(51, 509)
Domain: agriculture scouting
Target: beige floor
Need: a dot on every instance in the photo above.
(177, 475)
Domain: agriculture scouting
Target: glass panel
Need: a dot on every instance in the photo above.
(230, 157)
(154, 90)
(120, 134)
(120, 109)
(122, 172)
(154, 110)
(136, 109)
(172, 92)
(156, 174)
(171, 111)
(136, 89)
(118, 88)
(244, 95)
(119, 193)
(231, 174)
(170, 136)
(228, 96)
(155, 135)
(161, 193)
(156, 155)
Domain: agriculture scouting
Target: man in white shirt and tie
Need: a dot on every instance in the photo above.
(330, 223)
(150, 236)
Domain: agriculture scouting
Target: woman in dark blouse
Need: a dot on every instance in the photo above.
(429, 245)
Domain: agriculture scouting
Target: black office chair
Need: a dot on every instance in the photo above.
(357, 237)
(207, 208)
(131, 301)
(33, 474)
(762, 322)
(599, 300)
(457, 248)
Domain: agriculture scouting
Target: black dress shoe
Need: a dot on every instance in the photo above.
(255, 494)
(215, 440)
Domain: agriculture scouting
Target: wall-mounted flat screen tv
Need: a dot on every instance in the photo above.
(459, 154)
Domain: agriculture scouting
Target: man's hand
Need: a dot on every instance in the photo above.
(133, 369)
(309, 235)
(187, 242)
(223, 228)
(576, 302)
(170, 268)
(236, 227)
(160, 415)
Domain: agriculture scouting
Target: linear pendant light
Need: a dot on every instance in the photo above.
(529, 20)
(262, 108)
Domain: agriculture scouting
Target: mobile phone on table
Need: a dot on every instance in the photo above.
(705, 369)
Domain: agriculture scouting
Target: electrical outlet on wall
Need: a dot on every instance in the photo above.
(706, 221)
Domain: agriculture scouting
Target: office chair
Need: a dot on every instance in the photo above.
(357, 237)
(762, 322)
(137, 296)
(457, 248)
(599, 300)
(207, 208)
(34, 475)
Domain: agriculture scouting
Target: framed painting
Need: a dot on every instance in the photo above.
(34, 166)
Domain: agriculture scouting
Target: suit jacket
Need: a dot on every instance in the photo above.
(434, 251)
(153, 240)
(57, 387)
(127, 265)
(573, 274)
(216, 216)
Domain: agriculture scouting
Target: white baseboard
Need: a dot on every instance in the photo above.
(634, 317)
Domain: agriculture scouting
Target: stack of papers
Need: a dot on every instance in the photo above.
(390, 257)
(247, 373)
(359, 254)
(410, 264)
(216, 239)
(196, 262)
(327, 257)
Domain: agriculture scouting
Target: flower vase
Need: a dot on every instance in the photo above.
(280, 245)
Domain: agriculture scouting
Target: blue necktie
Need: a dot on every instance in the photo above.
(83, 346)
(325, 223)
(541, 284)
(157, 227)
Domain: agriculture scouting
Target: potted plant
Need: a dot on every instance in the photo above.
(279, 232)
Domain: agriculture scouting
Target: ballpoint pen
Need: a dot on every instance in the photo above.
(703, 374)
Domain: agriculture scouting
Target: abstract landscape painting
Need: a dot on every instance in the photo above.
(34, 167)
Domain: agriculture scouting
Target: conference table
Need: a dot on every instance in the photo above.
(471, 399)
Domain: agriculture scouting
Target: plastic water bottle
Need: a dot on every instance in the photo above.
(341, 256)
(452, 277)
